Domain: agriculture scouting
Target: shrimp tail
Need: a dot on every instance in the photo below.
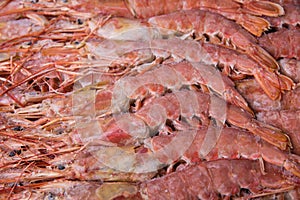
(242, 119)
(263, 57)
(292, 164)
(255, 25)
(273, 83)
(270, 88)
(271, 134)
(266, 8)
(285, 82)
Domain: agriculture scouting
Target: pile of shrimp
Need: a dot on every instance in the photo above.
(149, 99)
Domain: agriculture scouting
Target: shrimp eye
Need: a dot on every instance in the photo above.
(61, 167)
(51, 196)
(18, 152)
(79, 21)
(25, 148)
(12, 154)
(18, 128)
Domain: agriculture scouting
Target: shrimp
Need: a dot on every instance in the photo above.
(233, 143)
(153, 116)
(88, 164)
(183, 73)
(143, 51)
(194, 52)
(80, 163)
(283, 43)
(209, 180)
(229, 34)
(244, 119)
(241, 12)
(212, 54)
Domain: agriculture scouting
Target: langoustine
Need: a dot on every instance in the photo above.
(113, 100)
(231, 61)
(186, 22)
(208, 180)
(241, 12)
(233, 143)
(183, 73)
(230, 34)
(123, 29)
(155, 113)
(76, 162)
(200, 110)
(233, 114)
